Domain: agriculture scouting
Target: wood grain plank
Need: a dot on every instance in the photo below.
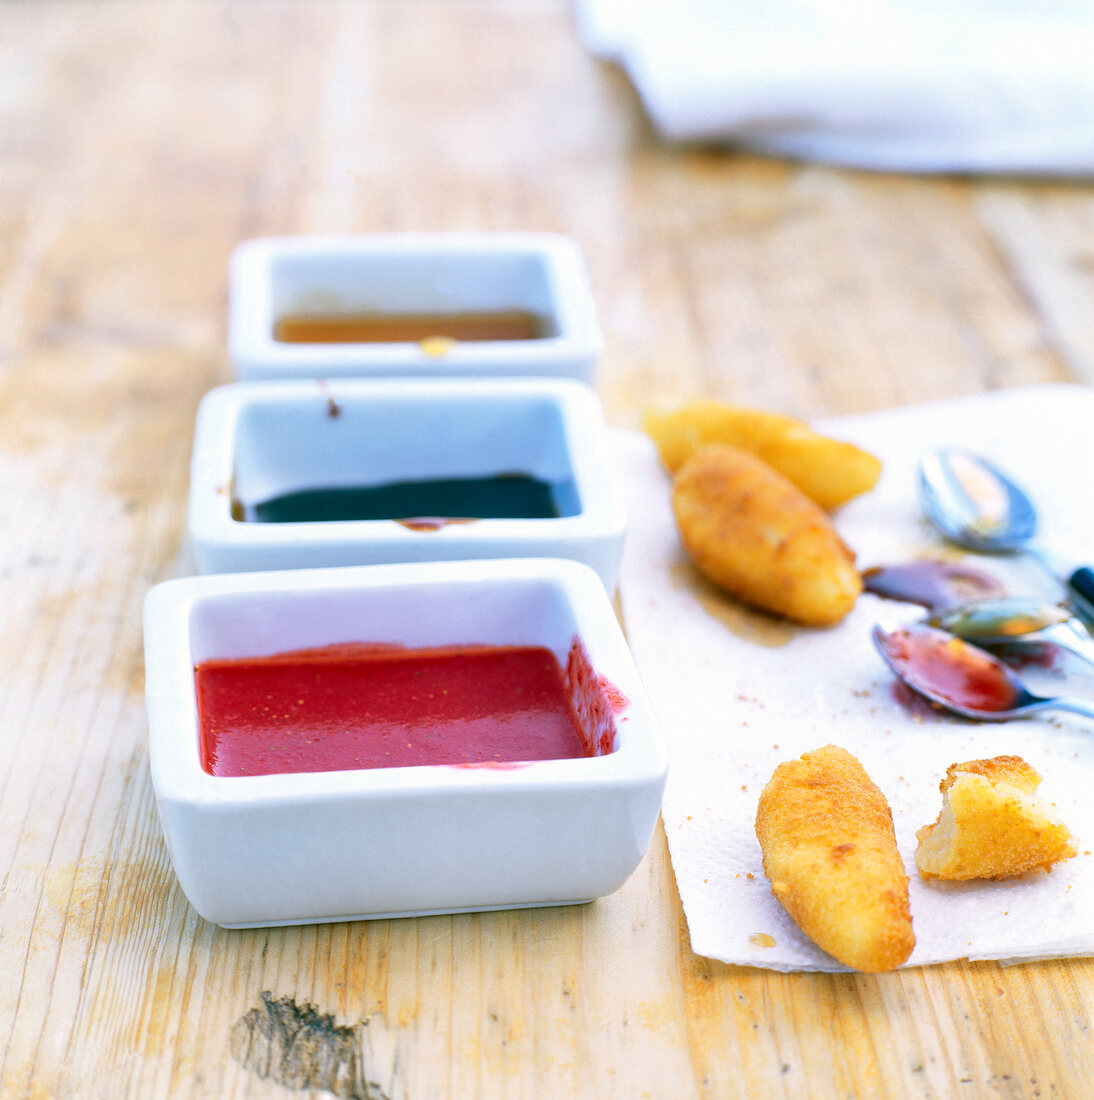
(139, 144)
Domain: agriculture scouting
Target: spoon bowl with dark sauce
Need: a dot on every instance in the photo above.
(963, 678)
(932, 584)
(1016, 619)
(974, 504)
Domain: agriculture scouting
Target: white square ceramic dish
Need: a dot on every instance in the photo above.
(403, 274)
(341, 845)
(254, 441)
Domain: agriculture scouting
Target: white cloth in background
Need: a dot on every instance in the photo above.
(969, 86)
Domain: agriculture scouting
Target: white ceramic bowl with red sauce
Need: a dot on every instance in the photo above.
(397, 275)
(263, 441)
(302, 847)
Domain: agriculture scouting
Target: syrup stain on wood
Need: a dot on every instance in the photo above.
(299, 1047)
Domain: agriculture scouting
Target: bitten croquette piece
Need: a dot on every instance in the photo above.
(991, 824)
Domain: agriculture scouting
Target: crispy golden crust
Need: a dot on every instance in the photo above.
(991, 825)
(829, 471)
(757, 536)
(830, 854)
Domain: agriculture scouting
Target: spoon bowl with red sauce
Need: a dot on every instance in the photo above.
(962, 678)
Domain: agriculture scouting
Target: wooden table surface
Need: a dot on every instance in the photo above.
(138, 144)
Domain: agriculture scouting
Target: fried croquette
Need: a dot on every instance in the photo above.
(830, 854)
(757, 536)
(991, 825)
(829, 471)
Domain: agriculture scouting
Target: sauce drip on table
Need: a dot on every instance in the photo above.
(504, 496)
(360, 706)
(412, 328)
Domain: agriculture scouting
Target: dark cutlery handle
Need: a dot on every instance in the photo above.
(1081, 586)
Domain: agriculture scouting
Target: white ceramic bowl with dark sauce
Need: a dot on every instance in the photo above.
(318, 306)
(336, 845)
(292, 445)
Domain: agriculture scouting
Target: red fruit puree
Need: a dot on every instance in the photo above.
(358, 705)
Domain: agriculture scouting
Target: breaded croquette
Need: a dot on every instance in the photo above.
(829, 471)
(830, 854)
(761, 539)
(991, 824)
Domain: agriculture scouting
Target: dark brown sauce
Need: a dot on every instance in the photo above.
(422, 505)
(390, 328)
(933, 584)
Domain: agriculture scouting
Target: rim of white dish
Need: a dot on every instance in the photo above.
(173, 731)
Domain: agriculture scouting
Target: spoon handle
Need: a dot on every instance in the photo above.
(1072, 635)
(1084, 707)
(1081, 586)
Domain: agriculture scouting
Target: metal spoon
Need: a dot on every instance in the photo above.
(963, 678)
(1013, 619)
(973, 503)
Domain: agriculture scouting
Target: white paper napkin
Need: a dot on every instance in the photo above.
(738, 692)
(907, 85)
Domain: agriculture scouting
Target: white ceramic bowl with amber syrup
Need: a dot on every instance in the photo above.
(424, 305)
